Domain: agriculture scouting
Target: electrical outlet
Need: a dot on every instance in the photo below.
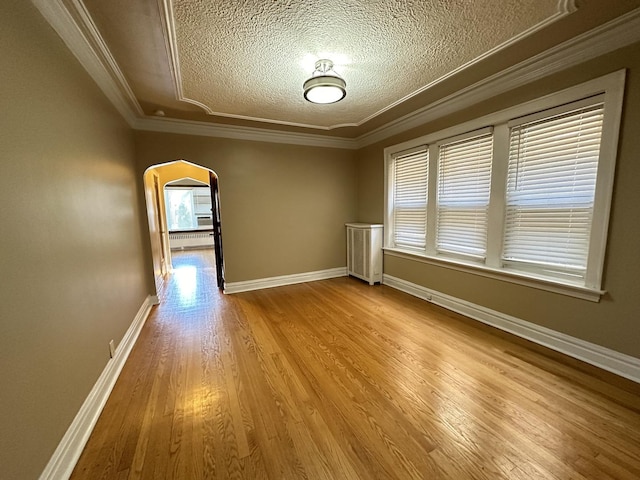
(112, 349)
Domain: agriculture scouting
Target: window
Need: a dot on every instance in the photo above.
(524, 195)
(188, 208)
(551, 182)
(410, 180)
(464, 184)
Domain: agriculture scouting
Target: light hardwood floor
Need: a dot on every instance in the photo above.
(339, 380)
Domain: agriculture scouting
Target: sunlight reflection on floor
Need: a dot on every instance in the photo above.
(186, 279)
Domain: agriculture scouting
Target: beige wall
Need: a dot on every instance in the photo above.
(76, 267)
(615, 321)
(71, 250)
(283, 207)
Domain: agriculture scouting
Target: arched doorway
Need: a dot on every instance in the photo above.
(177, 172)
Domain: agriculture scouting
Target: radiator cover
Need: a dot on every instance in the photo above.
(364, 251)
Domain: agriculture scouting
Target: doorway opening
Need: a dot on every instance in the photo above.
(183, 211)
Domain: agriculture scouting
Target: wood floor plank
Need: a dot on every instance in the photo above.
(339, 380)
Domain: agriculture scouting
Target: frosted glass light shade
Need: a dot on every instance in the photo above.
(324, 89)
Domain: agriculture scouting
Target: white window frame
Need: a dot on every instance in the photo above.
(612, 88)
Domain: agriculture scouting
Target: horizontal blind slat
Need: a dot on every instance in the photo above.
(410, 185)
(464, 183)
(551, 180)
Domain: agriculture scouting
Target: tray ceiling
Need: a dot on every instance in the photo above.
(251, 58)
(244, 62)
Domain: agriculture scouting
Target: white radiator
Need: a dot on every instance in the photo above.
(182, 240)
(364, 251)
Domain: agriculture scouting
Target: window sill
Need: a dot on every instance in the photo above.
(528, 280)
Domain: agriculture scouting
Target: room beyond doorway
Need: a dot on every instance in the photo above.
(189, 217)
(185, 218)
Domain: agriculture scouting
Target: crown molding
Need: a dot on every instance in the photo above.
(169, 34)
(75, 37)
(205, 129)
(564, 8)
(618, 33)
(103, 52)
(567, 6)
(89, 48)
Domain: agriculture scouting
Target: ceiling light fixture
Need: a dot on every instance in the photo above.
(324, 85)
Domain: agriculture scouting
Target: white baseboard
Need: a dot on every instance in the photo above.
(605, 358)
(237, 287)
(70, 447)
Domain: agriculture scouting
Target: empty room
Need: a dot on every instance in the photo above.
(320, 239)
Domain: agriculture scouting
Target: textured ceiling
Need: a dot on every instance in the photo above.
(250, 58)
(243, 62)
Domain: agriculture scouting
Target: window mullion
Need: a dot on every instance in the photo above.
(496, 213)
(390, 194)
(432, 213)
(546, 213)
(194, 221)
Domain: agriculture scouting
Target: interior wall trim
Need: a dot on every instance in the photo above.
(205, 129)
(619, 363)
(68, 452)
(563, 8)
(169, 34)
(259, 284)
(86, 44)
(618, 33)
(83, 39)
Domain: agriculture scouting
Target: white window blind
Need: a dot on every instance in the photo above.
(464, 186)
(530, 206)
(553, 163)
(410, 180)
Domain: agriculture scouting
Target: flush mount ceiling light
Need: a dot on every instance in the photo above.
(325, 85)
